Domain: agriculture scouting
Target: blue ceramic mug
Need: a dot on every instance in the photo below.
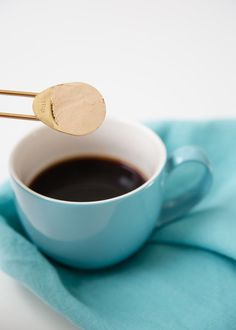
(102, 233)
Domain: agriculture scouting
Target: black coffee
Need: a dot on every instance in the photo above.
(87, 179)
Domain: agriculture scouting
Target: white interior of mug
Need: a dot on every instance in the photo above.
(127, 141)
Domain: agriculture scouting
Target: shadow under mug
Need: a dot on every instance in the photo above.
(102, 233)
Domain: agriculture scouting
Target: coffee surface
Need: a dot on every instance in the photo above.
(87, 179)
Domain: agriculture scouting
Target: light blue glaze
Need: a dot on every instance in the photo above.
(177, 207)
(99, 234)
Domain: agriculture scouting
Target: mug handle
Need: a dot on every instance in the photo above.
(177, 207)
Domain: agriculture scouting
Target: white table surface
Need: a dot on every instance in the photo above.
(150, 59)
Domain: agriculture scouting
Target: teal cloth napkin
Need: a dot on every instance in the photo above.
(183, 278)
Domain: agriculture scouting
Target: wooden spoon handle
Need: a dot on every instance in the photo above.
(17, 116)
(17, 93)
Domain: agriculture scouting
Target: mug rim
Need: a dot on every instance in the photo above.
(148, 131)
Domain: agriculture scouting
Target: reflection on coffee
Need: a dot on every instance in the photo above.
(87, 179)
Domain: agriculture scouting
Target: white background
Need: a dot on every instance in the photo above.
(150, 59)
